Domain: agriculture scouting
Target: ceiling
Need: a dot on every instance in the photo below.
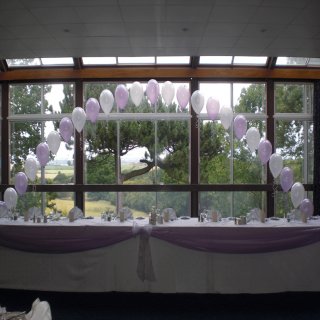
(92, 28)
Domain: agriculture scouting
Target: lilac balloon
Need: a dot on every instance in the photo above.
(240, 126)
(42, 152)
(306, 207)
(213, 108)
(121, 96)
(286, 179)
(21, 183)
(183, 96)
(66, 128)
(92, 109)
(264, 151)
(153, 91)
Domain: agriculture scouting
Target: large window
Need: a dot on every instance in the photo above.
(34, 112)
(144, 144)
(152, 154)
(294, 134)
(226, 159)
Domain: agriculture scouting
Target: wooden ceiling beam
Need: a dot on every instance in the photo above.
(158, 73)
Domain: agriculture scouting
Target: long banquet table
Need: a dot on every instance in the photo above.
(179, 256)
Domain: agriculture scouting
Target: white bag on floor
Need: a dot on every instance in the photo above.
(40, 311)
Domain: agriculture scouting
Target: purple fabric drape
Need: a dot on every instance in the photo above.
(239, 239)
(61, 239)
(64, 239)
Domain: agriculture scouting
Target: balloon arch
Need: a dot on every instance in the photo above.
(121, 97)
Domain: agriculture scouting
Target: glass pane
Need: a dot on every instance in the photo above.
(218, 91)
(144, 106)
(284, 204)
(60, 98)
(250, 60)
(57, 61)
(27, 99)
(59, 201)
(247, 166)
(52, 202)
(60, 168)
(94, 89)
(137, 152)
(244, 202)
(99, 60)
(215, 157)
(23, 62)
(308, 165)
(100, 142)
(215, 60)
(293, 98)
(232, 204)
(314, 62)
(136, 60)
(173, 107)
(172, 152)
(173, 60)
(99, 202)
(24, 138)
(140, 203)
(219, 201)
(291, 61)
(290, 138)
(178, 201)
(249, 98)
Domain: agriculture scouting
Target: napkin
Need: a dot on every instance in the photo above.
(40, 310)
(74, 214)
(4, 212)
(169, 214)
(127, 213)
(254, 215)
(34, 212)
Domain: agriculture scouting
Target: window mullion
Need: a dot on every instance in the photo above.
(270, 203)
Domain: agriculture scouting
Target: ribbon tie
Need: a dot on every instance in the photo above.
(145, 267)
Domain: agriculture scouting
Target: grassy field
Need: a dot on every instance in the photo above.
(52, 171)
(92, 208)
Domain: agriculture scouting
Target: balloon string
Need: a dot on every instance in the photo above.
(274, 188)
(81, 142)
(287, 206)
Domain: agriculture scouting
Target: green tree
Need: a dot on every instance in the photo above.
(25, 135)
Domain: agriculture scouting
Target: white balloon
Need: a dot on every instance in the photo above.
(10, 197)
(136, 93)
(297, 194)
(54, 141)
(168, 92)
(78, 118)
(197, 101)
(106, 101)
(31, 168)
(253, 138)
(226, 116)
(275, 164)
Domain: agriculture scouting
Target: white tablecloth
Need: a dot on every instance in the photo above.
(176, 269)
